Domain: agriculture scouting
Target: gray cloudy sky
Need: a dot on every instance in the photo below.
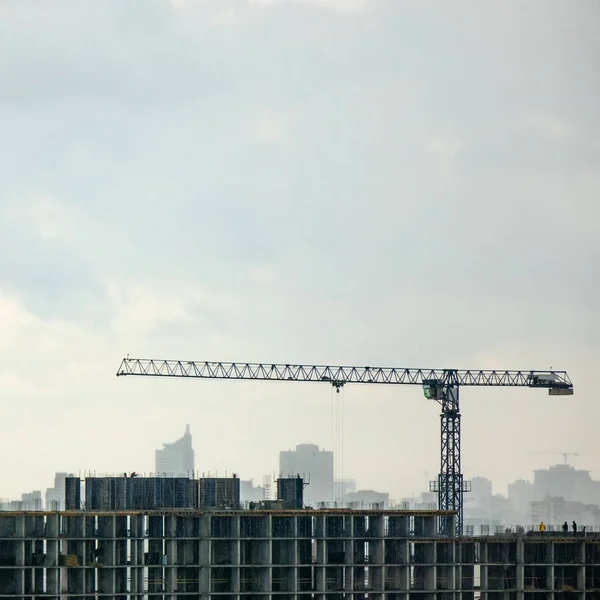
(385, 182)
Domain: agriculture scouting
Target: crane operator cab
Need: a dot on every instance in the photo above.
(433, 389)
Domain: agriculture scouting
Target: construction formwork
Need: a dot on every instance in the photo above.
(218, 492)
(288, 554)
(131, 493)
(290, 491)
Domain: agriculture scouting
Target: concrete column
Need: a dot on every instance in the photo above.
(136, 554)
(266, 555)
(350, 572)
(550, 568)
(452, 570)
(74, 548)
(19, 548)
(581, 571)
(52, 553)
(170, 557)
(483, 570)
(89, 545)
(321, 555)
(520, 568)
(106, 554)
(294, 554)
(204, 529)
(235, 554)
(37, 553)
(376, 533)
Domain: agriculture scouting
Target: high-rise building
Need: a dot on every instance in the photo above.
(520, 494)
(564, 481)
(250, 492)
(315, 466)
(55, 496)
(344, 487)
(176, 459)
(481, 490)
(31, 500)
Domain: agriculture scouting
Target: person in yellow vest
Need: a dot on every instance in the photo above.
(542, 527)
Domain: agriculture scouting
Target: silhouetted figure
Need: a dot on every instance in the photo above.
(574, 527)
(565, 527)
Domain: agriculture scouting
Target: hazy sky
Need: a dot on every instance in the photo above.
(385, 182)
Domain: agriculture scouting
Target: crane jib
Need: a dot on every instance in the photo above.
(557, 381)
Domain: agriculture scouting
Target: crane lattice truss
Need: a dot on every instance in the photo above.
(441, 385)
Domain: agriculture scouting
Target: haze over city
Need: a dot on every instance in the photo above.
(382, 183)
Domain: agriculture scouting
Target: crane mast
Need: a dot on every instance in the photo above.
(441, 385)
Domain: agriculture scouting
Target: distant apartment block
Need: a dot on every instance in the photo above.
(176, 459)
(315, 466)
(564, 481)
(363, 498)
(520, 495)
(32, 500)
(28, 501)
(559, 510)
(481, 490)
(345, 487)
(55, 496)
(250, 492)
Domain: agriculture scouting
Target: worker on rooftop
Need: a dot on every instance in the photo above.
(542, 527)
(565, 527)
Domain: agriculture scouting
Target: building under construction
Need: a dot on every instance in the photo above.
(284, 554)
(151, 493)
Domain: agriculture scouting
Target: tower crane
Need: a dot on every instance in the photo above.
(441, 385)
(565, 455)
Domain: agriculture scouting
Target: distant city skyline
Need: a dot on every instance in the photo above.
(559, 491)
(176, 458)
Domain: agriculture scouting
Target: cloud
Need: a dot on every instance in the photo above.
(139, 309)
(340, 6)
(550, 126)
(50, 218)
(444, 147)
(262, 275)
(39, 355)
(14, 386)
(271, 127)
(287, 185)
(13, 319)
